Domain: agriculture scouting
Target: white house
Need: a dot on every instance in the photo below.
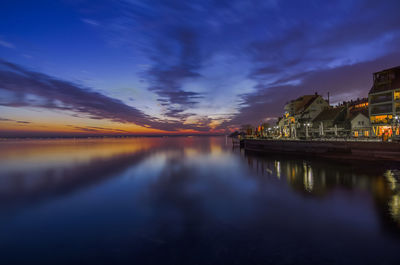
(360, 125)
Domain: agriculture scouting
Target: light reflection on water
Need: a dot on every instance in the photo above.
(190, 201)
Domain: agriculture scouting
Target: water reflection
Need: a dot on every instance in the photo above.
(36, 169)
(190, 201)
(381, 183)
(393, 177)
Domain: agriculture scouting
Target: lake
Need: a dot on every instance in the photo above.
(191, 200)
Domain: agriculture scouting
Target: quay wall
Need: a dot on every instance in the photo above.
(331, 149)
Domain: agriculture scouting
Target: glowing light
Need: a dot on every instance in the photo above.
(391, 179)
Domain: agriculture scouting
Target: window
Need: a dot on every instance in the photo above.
(366, 133)
(356, 134)
(396, 95)
(381, 118)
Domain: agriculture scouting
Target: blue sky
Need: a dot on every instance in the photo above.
(184, 66)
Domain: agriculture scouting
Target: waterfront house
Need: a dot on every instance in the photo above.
(384, 102)
(360, 125)
(299, 112)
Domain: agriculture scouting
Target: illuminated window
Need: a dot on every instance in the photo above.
(381, 119)
(366, 133)
(356, 134)
(362, 105)
(396, 95)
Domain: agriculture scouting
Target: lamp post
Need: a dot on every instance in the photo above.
(307, 125)
(396, 124)
(278, 131)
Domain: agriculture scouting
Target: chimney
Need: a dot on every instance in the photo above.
(328, 98)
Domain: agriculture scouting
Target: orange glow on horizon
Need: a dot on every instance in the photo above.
(27, 123)
(109, 128)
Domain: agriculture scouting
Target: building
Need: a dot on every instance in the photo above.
(331, 122)
(384, 102)
(299, 113)
(358, 118)
(360, 125)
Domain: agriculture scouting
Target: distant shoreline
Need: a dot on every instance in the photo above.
(108, 137)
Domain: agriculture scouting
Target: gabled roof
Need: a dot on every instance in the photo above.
(303, 102)
(310, 102)
(329, 114)
(354, 114)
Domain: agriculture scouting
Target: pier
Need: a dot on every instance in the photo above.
(354, 150)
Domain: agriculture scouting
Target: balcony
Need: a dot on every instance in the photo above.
(380, 99)
(382, 109)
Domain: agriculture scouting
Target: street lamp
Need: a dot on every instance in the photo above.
(307, 125)
(396, 124)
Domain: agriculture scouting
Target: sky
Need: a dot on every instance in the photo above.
(79, 67)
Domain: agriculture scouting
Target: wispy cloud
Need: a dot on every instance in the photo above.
(90, 22)
(7, 44)
(98, 129)
(12, 120)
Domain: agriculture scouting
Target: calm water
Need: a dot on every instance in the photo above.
(190, 201)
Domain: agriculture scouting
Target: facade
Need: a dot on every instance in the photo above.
(358, 118)
(384, 102)
(360, 125)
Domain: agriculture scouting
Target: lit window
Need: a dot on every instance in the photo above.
(381, 118)
(366, 133)
(396, 95)
(356, 134)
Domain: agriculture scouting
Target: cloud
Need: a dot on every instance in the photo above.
(11, 120)
(97, 129)
(166, 78)
(90, 22)
(24, 88)
(7, 44)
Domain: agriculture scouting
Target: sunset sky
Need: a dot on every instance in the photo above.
(72, 67)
